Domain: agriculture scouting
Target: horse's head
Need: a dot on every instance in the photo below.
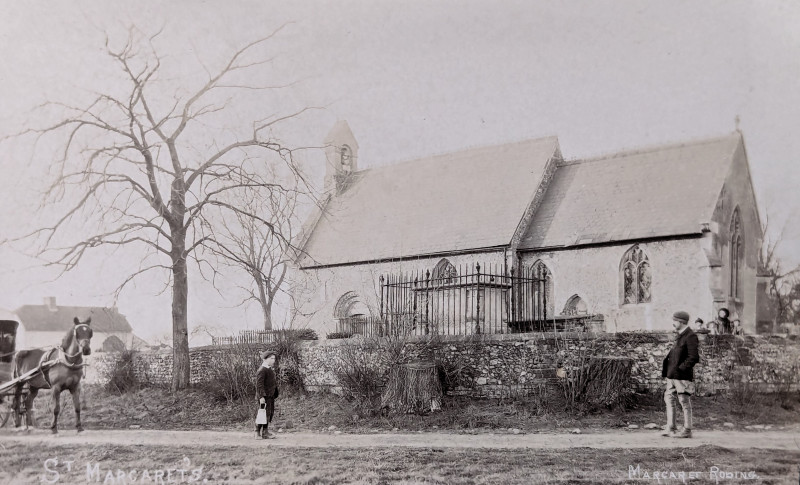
(82, 334)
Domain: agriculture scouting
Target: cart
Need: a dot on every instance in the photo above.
(8, 336)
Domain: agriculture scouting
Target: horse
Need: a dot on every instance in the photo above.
(65, 374)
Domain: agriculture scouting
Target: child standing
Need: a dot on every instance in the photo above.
(266, 392)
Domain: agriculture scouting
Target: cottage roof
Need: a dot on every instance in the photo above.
(470, 199)
(41, 318)
(664, 191)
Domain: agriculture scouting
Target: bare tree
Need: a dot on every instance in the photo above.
(783, 284)
(149, 166)
(262, 251)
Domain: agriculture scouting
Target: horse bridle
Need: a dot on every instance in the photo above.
(75, 338)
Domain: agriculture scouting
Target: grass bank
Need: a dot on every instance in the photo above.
(158, 408)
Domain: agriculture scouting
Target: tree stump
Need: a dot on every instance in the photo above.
(413, 387)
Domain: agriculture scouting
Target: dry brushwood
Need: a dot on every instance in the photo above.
(595, 382)
(413, 388)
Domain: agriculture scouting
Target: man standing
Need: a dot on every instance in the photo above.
(678, 370)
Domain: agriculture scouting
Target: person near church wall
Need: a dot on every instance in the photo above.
(678, 370)
(736, 327)
(723, 321)
(699, 326)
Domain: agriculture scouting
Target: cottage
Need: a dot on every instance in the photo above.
(514, 237)
(44, 325)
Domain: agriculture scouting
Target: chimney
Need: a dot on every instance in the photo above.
(50, 303)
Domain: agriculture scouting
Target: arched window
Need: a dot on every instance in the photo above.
(542, 272)
(346, 158)
(576, 306)
(444, 272)
(351, 312)
(636, 277)
(736, 254)
(350, 305)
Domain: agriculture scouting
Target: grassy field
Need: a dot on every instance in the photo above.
(20, 464)
(155, 407)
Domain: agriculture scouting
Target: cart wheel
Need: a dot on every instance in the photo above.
(5, 412)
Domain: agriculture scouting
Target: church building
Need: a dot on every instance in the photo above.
(514, 237)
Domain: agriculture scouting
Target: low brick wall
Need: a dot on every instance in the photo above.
(498, 365)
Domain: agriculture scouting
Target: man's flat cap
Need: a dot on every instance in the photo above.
(681, 317)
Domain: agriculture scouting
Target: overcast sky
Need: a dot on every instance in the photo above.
(415, 78)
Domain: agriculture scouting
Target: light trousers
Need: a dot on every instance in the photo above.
(679, 392)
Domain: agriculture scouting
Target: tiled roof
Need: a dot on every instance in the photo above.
(664, 191)
(471, 199)
(40, 318)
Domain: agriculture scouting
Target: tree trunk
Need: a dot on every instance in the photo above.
(180, 329)
(268, 315)
(264, 300)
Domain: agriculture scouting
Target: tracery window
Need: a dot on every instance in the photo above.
(636, 276)
(541, 271)
(736, 254)
(444, 272)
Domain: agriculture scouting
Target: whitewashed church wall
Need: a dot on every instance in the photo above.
(680, 281)
(737, 193)
(324, 286)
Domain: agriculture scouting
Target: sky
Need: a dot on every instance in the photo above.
(412, 79)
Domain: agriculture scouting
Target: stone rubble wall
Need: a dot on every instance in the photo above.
(151, 367)
(516, 364)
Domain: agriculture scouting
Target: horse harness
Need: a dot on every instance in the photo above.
(49, 358)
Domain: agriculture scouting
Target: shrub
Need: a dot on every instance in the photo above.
(338, 335)
(297, 334)
(122, 376)
(287, 348)
(742, 391)
(358, 372)
(590, 381)
(454, 374)
(232, 374)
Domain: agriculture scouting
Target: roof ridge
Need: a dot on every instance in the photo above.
(68, 306)
(651, 149)
(466, 149)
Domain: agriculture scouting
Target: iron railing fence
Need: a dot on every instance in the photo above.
(361, 325)
(472, 299)
(379, 327)
(263, 336)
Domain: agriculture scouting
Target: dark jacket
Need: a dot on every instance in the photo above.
(679, 363)
(266, 384)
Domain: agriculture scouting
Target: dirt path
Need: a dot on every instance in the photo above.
(619, 439)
